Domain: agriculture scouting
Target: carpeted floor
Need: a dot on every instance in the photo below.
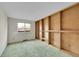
(33, 48)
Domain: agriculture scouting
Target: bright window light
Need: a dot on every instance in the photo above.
(20, 25)
(23, 27)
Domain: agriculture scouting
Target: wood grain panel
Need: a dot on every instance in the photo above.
(55, 19)
(70, 21)
(55, 25)
(50, 38)
(66, 41)
(71, 18)
(40, 29)
(46, 28)
(70, 42)
(43, 30)
(37, 30)
(75, 43)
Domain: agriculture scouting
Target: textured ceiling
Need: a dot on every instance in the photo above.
(32, 10)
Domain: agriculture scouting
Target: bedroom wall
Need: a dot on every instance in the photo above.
(3, 31)
(15, 36)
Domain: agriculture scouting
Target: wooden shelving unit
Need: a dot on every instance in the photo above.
(61, 29)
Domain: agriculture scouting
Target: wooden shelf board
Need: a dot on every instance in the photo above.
(58, 31)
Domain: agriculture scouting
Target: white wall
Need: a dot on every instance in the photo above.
(3, 31)
(15, 36)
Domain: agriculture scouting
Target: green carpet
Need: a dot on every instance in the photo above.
(33, 48)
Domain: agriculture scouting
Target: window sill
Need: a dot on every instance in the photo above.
(23, 31)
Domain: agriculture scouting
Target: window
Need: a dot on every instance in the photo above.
(23, 27)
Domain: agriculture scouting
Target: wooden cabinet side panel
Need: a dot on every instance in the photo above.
(40, 29)
(37, 29)
(46, 28)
